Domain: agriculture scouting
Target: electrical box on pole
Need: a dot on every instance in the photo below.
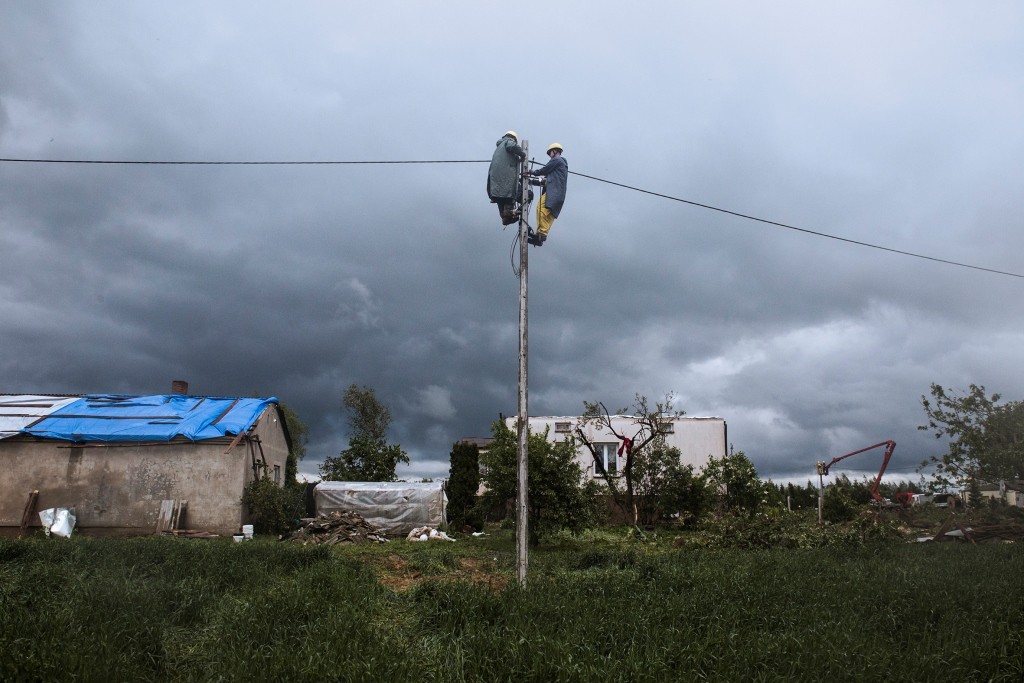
(522, 503)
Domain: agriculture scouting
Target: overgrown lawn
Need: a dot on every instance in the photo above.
(599, 607)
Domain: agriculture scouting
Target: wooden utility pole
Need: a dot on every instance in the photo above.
(522, 535)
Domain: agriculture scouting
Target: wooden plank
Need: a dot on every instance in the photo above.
(236, 440)
(946, 526)
(179, 509)
(30, 508)
(163, 520)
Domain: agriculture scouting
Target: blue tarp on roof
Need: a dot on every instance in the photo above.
(111, 417)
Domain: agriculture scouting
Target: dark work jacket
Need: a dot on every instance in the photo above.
(557, 173)
(503, 174)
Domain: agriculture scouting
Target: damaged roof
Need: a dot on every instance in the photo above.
(117, 417)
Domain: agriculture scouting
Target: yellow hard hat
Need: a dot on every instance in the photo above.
(512, 133)
(555, 145)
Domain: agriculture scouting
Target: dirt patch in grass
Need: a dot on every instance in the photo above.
(395, 573)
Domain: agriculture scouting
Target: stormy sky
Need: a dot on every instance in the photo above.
(897, 125)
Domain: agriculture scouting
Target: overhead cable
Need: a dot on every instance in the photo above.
(485, 161)
(800, 229)
(243, 163)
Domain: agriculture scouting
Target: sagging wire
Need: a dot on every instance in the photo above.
(524, 212)
(709, 207)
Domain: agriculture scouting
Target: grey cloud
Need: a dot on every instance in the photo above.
(300, 280)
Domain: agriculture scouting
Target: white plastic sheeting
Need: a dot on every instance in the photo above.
(58, 521)
(395, 507)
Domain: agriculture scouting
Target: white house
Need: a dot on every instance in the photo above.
(697, 438)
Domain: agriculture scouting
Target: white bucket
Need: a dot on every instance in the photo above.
(237, 539)
(247, 531)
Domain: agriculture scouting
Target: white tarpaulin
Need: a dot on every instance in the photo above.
(395, 507)
(58, 521)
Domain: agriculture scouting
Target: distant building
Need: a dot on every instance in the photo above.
(118, 459)
(697, 438)
(1010, 492)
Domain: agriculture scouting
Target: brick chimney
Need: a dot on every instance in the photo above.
(179, 386)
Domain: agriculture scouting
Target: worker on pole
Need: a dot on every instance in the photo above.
(553, 176)
(503, 176)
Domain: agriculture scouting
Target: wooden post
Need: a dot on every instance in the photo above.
(522, 502)
(821, 495)
(30, 508)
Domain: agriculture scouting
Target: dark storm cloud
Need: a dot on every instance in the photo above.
(299, 280)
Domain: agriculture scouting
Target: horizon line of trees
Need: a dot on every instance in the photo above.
(985, 445)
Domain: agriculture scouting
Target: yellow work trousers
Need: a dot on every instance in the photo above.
(544, 217)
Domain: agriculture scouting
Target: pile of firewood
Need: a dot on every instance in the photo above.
(337, 527)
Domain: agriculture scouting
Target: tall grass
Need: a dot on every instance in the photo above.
(165, 609)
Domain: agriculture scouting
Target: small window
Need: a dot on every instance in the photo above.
(607, 456)
(277, 474)
(667, 427)
(563, 427)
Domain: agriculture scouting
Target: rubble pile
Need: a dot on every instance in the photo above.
(426, 533)
(337, 527)
(983, 533)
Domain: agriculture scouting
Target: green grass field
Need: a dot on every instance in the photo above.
(601, 607)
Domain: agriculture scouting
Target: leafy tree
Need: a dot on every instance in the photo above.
(644, 442)
(463, 482)
(986, 439)
(556, 497)
(664, 487)
(299, 433)
(369, 457)
(735, 480)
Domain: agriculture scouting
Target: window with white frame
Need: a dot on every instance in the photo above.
(606, 454)
(563, 427)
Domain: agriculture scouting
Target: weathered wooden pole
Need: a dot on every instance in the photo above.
(522, 502)
(821, 495)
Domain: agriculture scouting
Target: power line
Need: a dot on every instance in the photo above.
(804, 230)
(485, 161)
(243, 163)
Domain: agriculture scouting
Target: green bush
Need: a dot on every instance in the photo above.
(839, 505)
(273, 509)
(557, 499)
(780, 529)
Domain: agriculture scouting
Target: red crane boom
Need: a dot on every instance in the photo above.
(890, 446)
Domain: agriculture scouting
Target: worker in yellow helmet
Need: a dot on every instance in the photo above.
(553, 176)
(503, 176)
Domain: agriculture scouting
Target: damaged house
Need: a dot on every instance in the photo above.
(697, 438)
(125, 462)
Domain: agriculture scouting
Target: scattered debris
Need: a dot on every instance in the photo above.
(426, 533)
(337, 527)
(1006, 532)
(190, 533)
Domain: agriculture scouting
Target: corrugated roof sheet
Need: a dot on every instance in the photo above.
(21, 410)
(116, 417)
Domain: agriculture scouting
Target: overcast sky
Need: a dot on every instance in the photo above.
(894, 124)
